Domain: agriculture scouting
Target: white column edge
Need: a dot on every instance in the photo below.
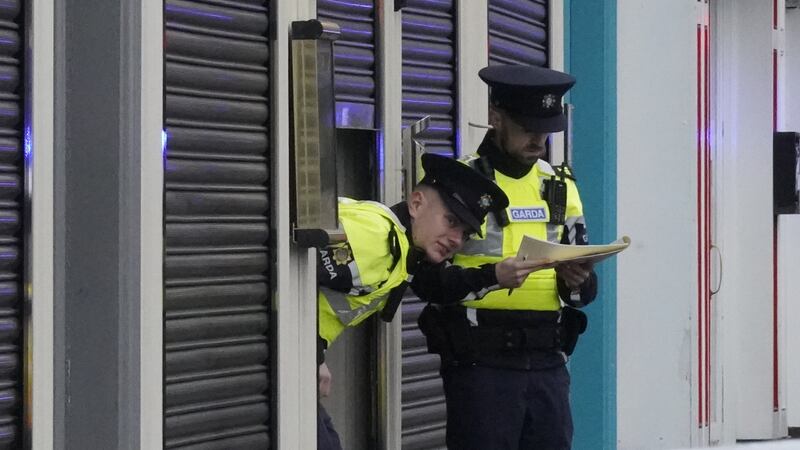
(473, 95)
(151, 319)
(39, 284)
(556, 56)
(390, 337)
(294, 300)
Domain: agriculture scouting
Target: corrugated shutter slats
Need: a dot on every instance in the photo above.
(11, 245)
(216, 263)
(424, 415)
(518, 32)
(429, 71)
(429, 77)
(354, 56)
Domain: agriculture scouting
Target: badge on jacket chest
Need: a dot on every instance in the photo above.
(529, 214)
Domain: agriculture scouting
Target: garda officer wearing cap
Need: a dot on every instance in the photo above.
(370, 271)
(503, 351)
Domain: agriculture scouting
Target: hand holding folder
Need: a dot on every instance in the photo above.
(532, 248)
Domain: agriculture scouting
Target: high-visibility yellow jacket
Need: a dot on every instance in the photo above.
(356, 277)
(528, 214)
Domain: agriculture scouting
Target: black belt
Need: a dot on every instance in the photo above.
(490, 339)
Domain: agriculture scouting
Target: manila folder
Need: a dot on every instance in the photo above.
(532, 248)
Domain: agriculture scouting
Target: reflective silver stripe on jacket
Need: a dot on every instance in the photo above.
(490, 245)
(552, 232)
(355, 275)
(341, 306)
(480, 294)
(570, 224)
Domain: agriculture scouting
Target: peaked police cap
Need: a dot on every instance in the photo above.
(530, 94)
(468, 194)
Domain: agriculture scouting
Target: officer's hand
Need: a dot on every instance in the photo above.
(324, 380)
(511, 273)
(574, 274)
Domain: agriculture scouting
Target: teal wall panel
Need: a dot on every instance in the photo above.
(590, 42)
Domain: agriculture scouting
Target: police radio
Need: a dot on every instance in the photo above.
(555, 194)
(555, 188)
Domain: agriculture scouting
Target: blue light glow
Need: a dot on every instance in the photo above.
(427, 102)
(195, 12)
(164, 143)
(350, 4)
(426, 76)
(28, 143)
(428, 25)
(356, 31)
(381, 157)
(351, 57)
(446, 53)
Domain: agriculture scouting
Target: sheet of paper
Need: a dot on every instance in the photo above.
(532, 248)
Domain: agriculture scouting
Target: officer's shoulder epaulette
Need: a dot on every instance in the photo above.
(564, 171)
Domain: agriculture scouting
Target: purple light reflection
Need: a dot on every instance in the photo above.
(427, 25)
(27, 144)
(427, 102)
(349, 4)
(194, 12)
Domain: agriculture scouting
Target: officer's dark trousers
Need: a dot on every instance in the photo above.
(327, 437)
(499, 409)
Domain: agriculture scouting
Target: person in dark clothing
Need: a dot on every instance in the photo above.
(504, 352)
(369, 272)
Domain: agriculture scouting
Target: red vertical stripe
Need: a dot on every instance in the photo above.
(775, 14)
(699, 241)
(775, 404)
(774, 90)
(775, 246)
(706, 131)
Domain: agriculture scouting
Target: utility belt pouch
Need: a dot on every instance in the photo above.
(573, 324)
(447, 332)
(457, 328)
(431, 324)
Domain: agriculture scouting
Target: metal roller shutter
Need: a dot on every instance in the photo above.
(424, 414)
(353, 60)
(429, 71)
(518, 32)
(216, 263)
(429, 77)
(11, 175)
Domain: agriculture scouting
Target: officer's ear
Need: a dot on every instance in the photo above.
(495, 117)
(420, 200)
(416, 203)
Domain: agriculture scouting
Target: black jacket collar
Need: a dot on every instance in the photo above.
(415, 255)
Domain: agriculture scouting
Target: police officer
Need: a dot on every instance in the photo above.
(370, 271)
(503, 352)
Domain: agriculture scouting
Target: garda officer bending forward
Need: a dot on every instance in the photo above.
(503, 352)
(384, 245)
